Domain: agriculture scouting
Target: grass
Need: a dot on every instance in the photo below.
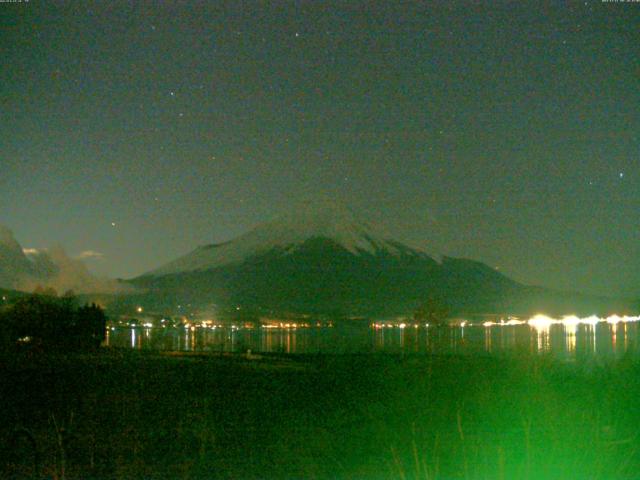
(126, 414)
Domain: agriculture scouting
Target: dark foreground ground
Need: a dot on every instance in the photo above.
(124, 414)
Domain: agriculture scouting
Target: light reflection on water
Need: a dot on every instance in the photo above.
(602, 340)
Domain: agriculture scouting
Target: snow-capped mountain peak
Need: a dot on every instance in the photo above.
(318, 219)
(325, 219)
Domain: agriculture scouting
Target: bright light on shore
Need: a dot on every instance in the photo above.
(614, 319)
(572, 321)
(592, 320)
(541, 321)
(513, 321)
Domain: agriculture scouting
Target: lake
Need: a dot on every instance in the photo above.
(567, 339)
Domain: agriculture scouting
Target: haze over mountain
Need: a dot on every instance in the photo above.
(310, 219)
(322, 258)
(26, 269)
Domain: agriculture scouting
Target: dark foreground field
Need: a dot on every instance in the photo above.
(134, 415)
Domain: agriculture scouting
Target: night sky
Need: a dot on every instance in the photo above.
(507, 133)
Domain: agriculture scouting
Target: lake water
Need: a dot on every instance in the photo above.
(601, 340)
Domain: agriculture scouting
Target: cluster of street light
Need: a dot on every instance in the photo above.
(538, 322)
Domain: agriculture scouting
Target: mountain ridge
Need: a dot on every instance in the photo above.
(26, 269)
(328, 220)
(322, 259)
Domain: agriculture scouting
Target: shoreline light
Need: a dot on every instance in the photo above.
(541, 321)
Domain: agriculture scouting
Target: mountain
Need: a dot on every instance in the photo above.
(26, 269)
(14, 264)
(322, 258)
(287, 234)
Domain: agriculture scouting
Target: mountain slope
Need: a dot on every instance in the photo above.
(323, 259)
(311, 220)
(25, 270)
(14, 264)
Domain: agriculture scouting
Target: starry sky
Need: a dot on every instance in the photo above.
(506, 132)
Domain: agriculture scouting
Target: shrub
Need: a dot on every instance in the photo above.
(53, 323)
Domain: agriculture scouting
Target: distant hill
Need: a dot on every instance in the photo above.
(26, 269)
(14, 264)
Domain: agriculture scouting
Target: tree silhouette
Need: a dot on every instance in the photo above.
(434, 311)
(91, 324)
(52, 322)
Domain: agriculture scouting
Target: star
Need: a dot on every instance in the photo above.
(621, 174)
(113, 224)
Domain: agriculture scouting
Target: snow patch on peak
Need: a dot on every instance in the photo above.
(326, 219)
(312, 219)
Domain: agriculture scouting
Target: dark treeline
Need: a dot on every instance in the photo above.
(47, 321)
